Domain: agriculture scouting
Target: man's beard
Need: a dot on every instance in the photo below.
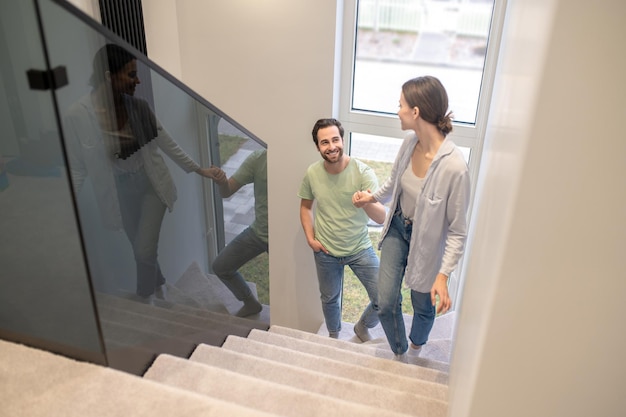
(339, 156)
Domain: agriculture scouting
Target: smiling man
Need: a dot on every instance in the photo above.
(337, 230)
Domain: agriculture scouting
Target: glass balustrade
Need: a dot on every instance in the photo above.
(111, 193)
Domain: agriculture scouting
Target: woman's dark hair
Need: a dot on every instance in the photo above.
(430, 97)
(324, 123)
(110, 57)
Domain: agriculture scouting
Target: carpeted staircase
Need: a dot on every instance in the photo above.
(135, 333)
(182, 359)
(196, 309)
(280, 371)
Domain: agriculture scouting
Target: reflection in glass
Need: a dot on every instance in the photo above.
(398, 40)
(115, 139)
(243, 186)
(118, 118)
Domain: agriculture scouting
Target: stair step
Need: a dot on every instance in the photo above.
(175, 312)
(347, 356)
(369, 349)
(438, 348)
(258, 322)
(244, 390)
(152, 325)
(315, 381)
(137, 359)
(436, 390)
(159, 315)
(83, 389)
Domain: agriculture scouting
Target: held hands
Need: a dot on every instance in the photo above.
(440, 288)
(214, 173)
(361, 198)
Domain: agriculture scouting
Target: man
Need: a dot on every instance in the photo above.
(252, 241)
(337, 232)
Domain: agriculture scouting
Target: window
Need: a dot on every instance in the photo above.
(387, 42)
(399, 39)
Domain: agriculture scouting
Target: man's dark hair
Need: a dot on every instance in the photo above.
(323, 123)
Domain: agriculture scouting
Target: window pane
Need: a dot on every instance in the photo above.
(379, 152)
(397, 40)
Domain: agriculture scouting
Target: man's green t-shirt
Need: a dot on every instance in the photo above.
(254, 170)
(339, 226)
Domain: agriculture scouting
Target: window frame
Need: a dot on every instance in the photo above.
(463, 134)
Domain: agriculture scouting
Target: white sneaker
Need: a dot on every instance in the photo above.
(402, 357)
(145, 299)
(414, 351)
(161, 292)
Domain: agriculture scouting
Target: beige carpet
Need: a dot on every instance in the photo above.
(280, 372)
(271, 397)
(356, 372)
(438, 348)
(35, 383)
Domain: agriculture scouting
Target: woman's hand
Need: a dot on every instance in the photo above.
(214, 173)
(361, 198)
(440, 288)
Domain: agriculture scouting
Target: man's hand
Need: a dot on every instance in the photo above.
(361, 198)
(317, 246)
(214, 173)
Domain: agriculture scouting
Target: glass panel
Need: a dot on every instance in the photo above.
(398, 40)
(45, 297)
(246, 160)
(136, 141)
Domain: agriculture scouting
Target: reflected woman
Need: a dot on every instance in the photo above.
(115, 139)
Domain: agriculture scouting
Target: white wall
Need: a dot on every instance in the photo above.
(89, 7)
(541, 324)
(540, 329)
(162, 40)
(278, 57)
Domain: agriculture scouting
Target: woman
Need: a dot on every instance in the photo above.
(115, 139)
(424, 234)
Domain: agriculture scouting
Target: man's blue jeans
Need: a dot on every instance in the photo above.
(330, 269)
(393, 260)
(243, 248)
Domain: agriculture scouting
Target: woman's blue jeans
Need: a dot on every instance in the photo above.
(393, 261)
(330, 269)
(142, 214)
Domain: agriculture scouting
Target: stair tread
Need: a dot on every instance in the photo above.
(438, 348)
(322, 383)
(132, 333)
(165, 309)
(249, 391)
(382, 351)
(158, 325)
(159, 316)
(363, 359)
(82, 389)
(337, 368)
